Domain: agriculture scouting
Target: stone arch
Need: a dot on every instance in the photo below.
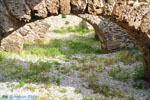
(111, 36)
(132, 15)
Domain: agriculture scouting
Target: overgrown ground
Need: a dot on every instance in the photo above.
(70, 65)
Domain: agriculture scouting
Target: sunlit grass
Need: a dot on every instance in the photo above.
(78, 29)
(4, 54)
(59, 47)
(44, 52)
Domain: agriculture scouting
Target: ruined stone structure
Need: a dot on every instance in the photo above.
(132, 15)
(32, 32)
(111, 36)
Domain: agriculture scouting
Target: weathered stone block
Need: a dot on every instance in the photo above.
(38, 8)
(78, 6)
(52, 6)
(65, 7)
(19, 9)
(95, 6)
(13, 43)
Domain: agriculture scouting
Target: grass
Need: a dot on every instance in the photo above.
(89, 98)
(56, 48)
(67, 22)
(63, 16)
(12, 86)
(65, 69)
(147, 99)
(58, 80)
(139, 57)
(21, 83)
(93, 83)
(126, 57)
(138, 86)
(44, 51)
(31, 87)
(1, 56)
(65, 98)
(101, 68)
(131, 98)
(119, 73)
(110, 61)
(33, 73)
(78, 29)
(37, 72)
(101, 88)
(42, 66)
(63, 90)
(139, 72)
(77, 91)
(4, 54)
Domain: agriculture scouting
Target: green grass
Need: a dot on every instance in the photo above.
(147, 99)
(33, 73)
(89, 98)
(101, 68)
(63, 90)
(138, 86)
(31, 87)
(58, 80)
(131, 98)
(43, 51)
(63, 16)
(36, 72)
(110, 61)
(139, 72)
(1, 56)
(126, 57)
(50, 26)
(78, 29)
(4, 54)
(21, 83)
(77, 91)
(104, 89)
(65, 98)
(67, 22)
(56, 48)
(119, 73)
(42, 66)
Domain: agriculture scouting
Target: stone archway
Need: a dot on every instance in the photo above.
(130, 14)
(112, 37)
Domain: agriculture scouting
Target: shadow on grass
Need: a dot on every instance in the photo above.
(37, 73)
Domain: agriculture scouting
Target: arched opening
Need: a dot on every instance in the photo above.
(70, 65)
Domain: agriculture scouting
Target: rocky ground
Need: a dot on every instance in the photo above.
(72, 66)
